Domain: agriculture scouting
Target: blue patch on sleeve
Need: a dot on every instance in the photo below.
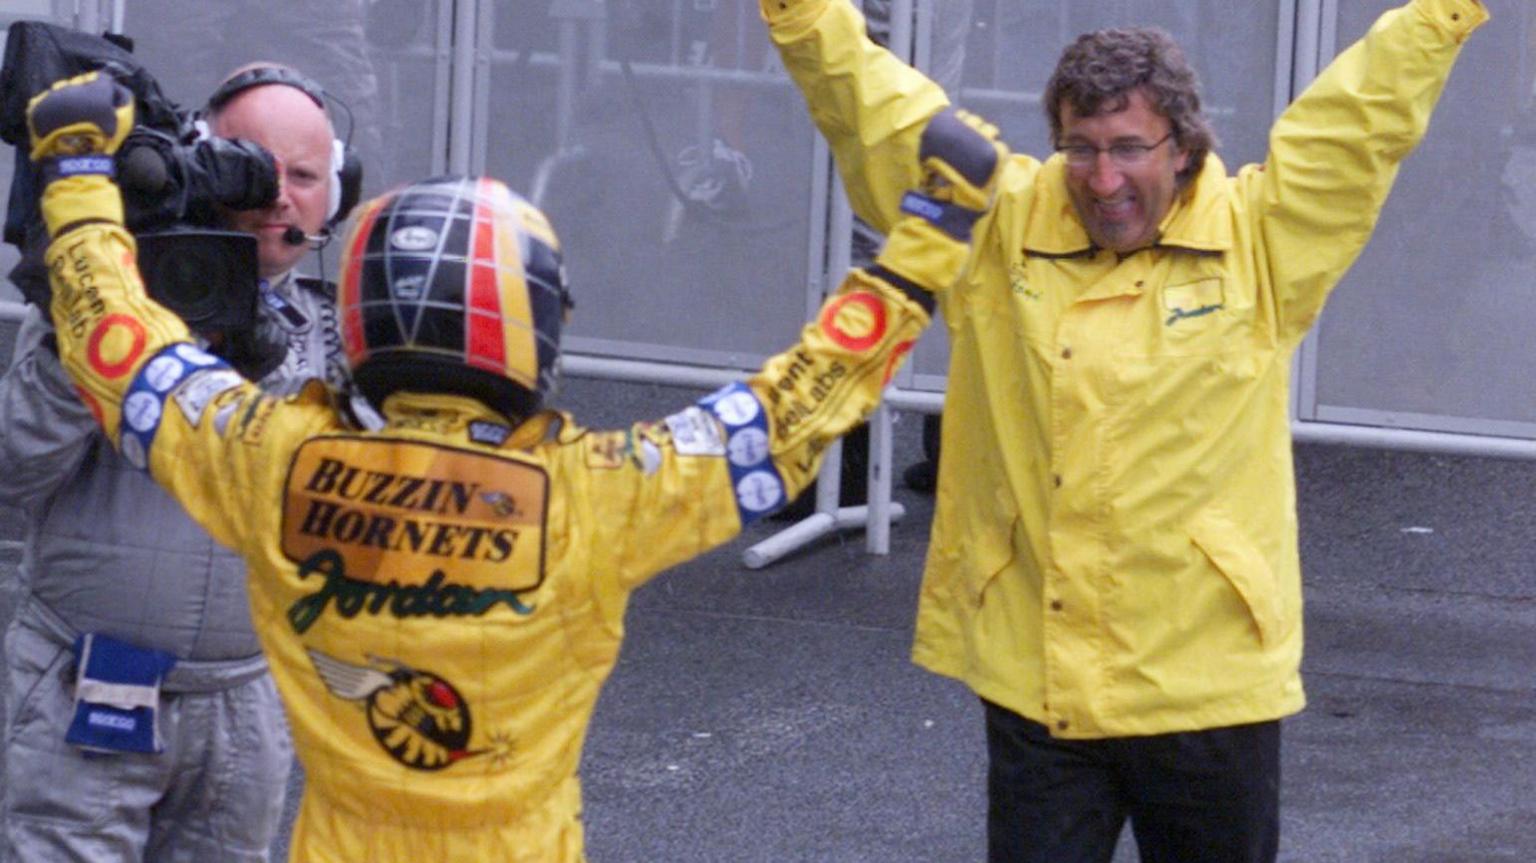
(74, 166)
(144, 403)
(759, 488)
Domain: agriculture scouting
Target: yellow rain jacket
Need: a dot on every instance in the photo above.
(1114, 549)
(441, 600)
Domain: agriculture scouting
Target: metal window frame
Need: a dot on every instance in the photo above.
(1317, 43)
(1309, 34)
(592, 356)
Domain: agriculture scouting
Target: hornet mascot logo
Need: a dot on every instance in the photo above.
(418, 717)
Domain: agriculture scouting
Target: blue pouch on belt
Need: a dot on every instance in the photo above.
(117, 695)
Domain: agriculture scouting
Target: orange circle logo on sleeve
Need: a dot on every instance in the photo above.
(115, 345)
(855, 321)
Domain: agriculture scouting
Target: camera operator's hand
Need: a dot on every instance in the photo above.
(75, 127)
(243, 175)
(84, 115)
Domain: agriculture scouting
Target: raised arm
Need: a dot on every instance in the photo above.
(694, 479)
(871, 106)
(1335, 152)
(170, 407)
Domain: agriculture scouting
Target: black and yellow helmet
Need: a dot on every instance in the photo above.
(454, 285)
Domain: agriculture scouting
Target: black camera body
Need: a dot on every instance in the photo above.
(175, 181)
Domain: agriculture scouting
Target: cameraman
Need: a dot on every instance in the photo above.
(276, 107)
(109, 554)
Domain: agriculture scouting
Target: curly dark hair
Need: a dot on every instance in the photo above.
(1098, 72)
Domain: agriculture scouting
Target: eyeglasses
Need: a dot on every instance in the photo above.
(1124, 154)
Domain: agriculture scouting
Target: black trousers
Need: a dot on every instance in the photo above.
(1194, 797)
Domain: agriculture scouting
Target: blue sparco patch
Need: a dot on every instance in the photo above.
(75, 166)
(488, 433)
(917, 205)
(117, 695)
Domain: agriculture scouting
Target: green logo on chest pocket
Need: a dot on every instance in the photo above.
(1180, 314)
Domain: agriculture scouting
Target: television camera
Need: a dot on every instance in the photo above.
(174, 177)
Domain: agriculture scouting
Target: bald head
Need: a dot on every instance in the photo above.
(288, 123)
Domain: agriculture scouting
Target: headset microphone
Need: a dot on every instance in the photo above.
(293, 235)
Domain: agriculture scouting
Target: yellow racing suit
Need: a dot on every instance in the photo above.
(442, 599)
(1115, 554)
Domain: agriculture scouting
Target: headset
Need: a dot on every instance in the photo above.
(346, 185)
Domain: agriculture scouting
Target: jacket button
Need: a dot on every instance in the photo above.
(1066, 353)
(1056, 479)
(1056, 605)
(1062, 725)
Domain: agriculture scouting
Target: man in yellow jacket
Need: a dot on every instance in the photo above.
(442, 598)
(1113, 566)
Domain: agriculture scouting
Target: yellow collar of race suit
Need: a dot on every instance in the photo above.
(1198, 221)
(411, 407)
(451, 415)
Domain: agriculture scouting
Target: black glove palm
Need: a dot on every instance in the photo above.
(84, 115)
(961, 158)
(75, 127)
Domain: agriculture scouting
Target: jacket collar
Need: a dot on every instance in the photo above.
(1198, 221)
(449, 415)
(438, 412)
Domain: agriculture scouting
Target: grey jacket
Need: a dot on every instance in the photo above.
(106, 550)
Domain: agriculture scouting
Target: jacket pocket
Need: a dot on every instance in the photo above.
(1193, 299)
(971, 547)
(1192, 309)
(1236, 558)
(984, 556)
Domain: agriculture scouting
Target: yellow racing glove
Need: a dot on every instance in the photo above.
(962, 159)
(959, 153)
(75, 127)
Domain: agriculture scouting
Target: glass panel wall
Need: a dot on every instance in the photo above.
(1432, 328)
(675, 160)
(382, 62)
(12, 11)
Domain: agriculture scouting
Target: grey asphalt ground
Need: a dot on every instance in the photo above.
(773, 715)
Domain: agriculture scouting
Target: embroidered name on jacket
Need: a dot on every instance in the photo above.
(1181, 314)
(383, 521)
(1192, 300)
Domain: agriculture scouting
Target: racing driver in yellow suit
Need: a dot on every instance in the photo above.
(442, 598)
